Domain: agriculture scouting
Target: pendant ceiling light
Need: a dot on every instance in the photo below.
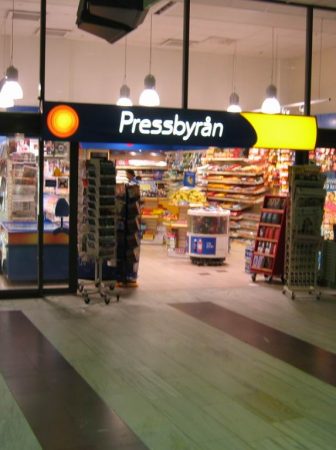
(149, 96)
(11, 87)
(271, 104)
(234, 106)
(5, 101)
(124, 98)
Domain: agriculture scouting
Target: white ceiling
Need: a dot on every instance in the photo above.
(217, 26)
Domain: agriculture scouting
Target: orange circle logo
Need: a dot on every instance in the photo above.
(62, 121)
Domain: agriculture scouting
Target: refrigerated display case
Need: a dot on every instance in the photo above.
(208, 235)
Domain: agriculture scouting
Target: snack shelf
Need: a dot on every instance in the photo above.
(241, 191)
(234, 183)
(272, 241)
(175, 224)
(226, 160)
(147, 216)
(268, 224)
(234, 172)
(156, 199)
(142, 168)
(273, 211)
(261, 269)
(236, 200)
(236, 218)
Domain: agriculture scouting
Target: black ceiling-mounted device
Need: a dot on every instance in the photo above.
(111, 19)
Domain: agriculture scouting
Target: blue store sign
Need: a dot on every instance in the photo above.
(185, 127)
(203, 245)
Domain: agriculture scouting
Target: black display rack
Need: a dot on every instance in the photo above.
(100, 223)
(128, 237)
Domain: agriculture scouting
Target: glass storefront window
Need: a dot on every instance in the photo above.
(56, 211)
(18, 212)
(19, 195)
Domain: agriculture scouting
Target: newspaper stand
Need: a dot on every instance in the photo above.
(303, 237)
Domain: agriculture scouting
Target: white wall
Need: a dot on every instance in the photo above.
(323, 80)
(93, 72)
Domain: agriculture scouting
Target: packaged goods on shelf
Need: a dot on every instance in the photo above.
(188, 196)
(19, 185)
(235, 178)
(150, 174)
(248, 258)
(276, 177)
(178, 164)
(325, 158)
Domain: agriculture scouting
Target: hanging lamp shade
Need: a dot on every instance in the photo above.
(12, 88)
(5, 101)
(149, 96)
(234, 106)
(125, 92)
(124, 99)
(271, 104)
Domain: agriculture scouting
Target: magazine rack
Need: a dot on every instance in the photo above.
(269, 246)
(303, 238)
(100, 222)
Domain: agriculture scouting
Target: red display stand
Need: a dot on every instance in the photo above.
(269, 248)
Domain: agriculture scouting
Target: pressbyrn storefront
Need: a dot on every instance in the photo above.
(26, 243)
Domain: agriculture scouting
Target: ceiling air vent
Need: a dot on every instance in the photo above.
(54, 32)
(31, 16)
(219, 40)
(165, 8)
(176, 43)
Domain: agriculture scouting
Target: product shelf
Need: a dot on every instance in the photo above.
(228, 160)
(268, 253)
(273, 211)
(157, 168)
(148, 217)
(240, 191)
(234, 172)
(267, 224)
(262, 239)
(174, 224)
(236, 218)
(156, 199)
(236, 200)
(262, 269)
(235, 183)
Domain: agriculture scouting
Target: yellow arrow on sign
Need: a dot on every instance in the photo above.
(283, 131)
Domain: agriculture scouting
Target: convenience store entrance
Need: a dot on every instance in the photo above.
(48, 240)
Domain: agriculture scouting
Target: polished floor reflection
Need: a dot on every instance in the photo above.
(63, 411)
(309, 358)
(152, 371)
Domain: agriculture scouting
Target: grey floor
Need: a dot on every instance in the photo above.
(179, 383)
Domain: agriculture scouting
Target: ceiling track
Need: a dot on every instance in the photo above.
(298, 4)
